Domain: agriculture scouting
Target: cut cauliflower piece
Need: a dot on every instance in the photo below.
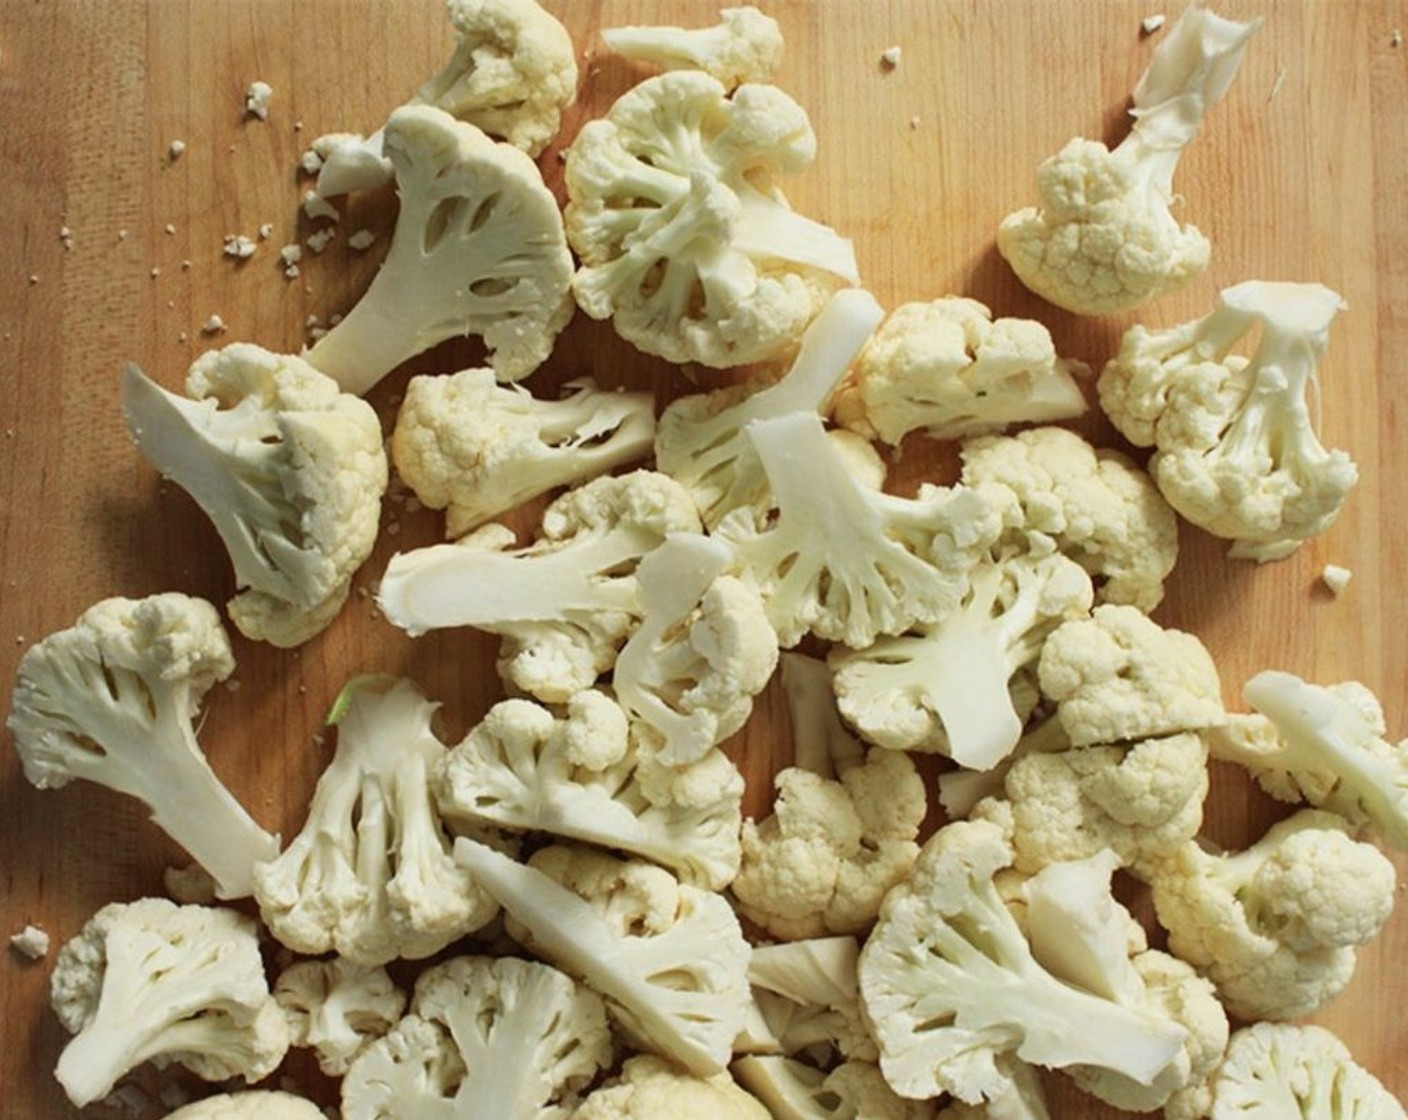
(808, 995)
(152, 981)
(1024, 1098)
(949, 984)
(1118, 677)
(565, 603)
(370, 875)
(1276, 926)
(582, 776)
(649, 1087)
(479, 249)
(669, 959)
(842, 560)
(513, 72)
(251, 1104)
(744, 46)
(112, 700)
(703, 650)
(337, 1007)
(1235, 447)
(1276, 1070)
(1103, 239)
(475, 448)
(948, 368)
(492, 1038)
(289, 469)
(687, 244)
(1101, 510)
(702, 442)
(1324, 745)
(853, 1090)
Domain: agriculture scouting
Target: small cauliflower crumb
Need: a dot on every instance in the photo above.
(239, 246)
(361, 240)
(315, 206)
(266, 231)
(155, 272)
(890, 58)
(1395, 38)
(310, 163)
(1336, 578)
(176, 149)
(320, 239)
(213, 325)
(256, 100)
(1152, 23)
(66, 236)
(31, 942)
(34, 277)
(913, 122)
(289, 256)
(170, 230)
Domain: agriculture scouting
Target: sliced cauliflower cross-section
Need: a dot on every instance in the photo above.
(687, 244)
(478, 249)
(288, 468)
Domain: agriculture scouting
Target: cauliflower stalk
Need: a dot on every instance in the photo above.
(1276, 926)
(479, 249)
(370, 875)
(289, 469)
(669, 959)
(582, 776)
(687, 244)
(486, 1039)
(948, 368)
(475, 448)
(744, 46)
(112, 700)
(337, 1007)
(152, 981)
(1104, 239)
(1235, 448)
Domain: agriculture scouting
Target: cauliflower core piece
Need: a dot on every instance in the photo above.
(1103, 239)
(687, 244)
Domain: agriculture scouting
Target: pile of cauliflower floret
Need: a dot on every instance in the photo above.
(605, 934)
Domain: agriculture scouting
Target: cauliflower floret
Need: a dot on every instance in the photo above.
(477, 449)
(744, 46)
(649, 1087)
(1104, 239)
(1100, 508)
(479, 249)
(112, 700)
(152, 981)
(337, 1007)
(808, 996)
(252, 1104)
(853, 1090)
(370, 875)
(288, 468)
(686, 242)
(1275, 927)
(949, 368)
(1236, 451)
(1118, 676)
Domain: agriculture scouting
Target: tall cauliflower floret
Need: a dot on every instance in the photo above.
(1276, 927)
(703, 650)
(112, 700)
(479, 249)
(513, 72)
(1099, 508)
(744, 46)
(1235, 448)
(948, 687)
(845, 561)
(582, 776)
(288, 468)
(564, 604)
(1103, 239)
(152, 981)
(669, 959)
(370, 876)
(486, 1039)
(702, 441)
(687, 244)
(947, 367)
(1325, 745)
(950, 984)
(477, 449)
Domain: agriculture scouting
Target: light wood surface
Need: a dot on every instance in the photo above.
(1300, 174)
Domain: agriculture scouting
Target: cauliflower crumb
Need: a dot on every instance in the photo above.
(239, 246)
(155, 272)
(310, 163)
(122, 235)
(256, 100)
(266, 231)
(361, 240)
(290, 255)
(1395, 38)
(213, 325)
(1152, 23)
(320, 239)
(170, 230)
(34, 277)
(913, 123)
(66, 236)
(31, 942)
(176, 149)
(185, 265)
(1336, 578)
(315, 206)
(890, 58)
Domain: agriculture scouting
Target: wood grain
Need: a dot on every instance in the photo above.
(1301, 174)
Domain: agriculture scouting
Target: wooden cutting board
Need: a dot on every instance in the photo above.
(1301, 174)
